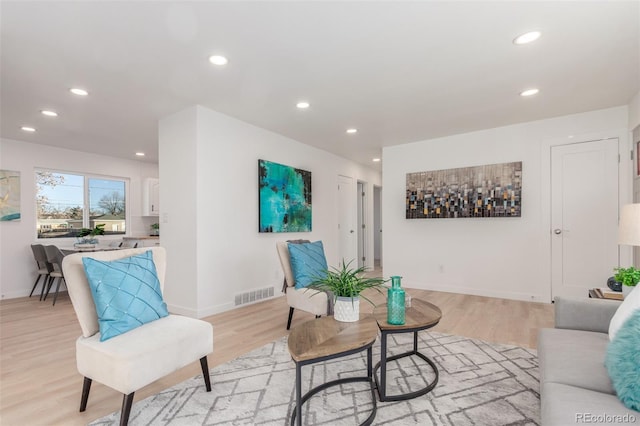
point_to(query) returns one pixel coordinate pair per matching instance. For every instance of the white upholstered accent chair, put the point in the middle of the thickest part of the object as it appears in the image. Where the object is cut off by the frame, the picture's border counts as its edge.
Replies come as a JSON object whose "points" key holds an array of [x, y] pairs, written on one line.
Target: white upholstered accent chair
{"points": [[132, 360], [303, 299]]}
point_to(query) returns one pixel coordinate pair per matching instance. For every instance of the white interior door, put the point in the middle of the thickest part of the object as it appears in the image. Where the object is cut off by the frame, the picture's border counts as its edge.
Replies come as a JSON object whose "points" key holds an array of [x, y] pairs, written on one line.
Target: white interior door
{"points": [[584, 216], [377, 225], [360, 229], [348, 249]]}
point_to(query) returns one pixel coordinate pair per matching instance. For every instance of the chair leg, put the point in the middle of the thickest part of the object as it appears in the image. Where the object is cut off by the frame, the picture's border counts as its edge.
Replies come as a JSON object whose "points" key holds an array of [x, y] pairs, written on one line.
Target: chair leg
{"points": [[35, 284], [49, 285], [127, 402], [86, 387], [44, 286], [58, 290], [290, 316], [205, 373]]}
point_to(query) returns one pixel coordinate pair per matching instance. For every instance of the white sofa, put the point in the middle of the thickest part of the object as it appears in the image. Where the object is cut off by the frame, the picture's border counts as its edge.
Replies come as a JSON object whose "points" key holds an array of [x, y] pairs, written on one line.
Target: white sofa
{"points": [[574, 384]]}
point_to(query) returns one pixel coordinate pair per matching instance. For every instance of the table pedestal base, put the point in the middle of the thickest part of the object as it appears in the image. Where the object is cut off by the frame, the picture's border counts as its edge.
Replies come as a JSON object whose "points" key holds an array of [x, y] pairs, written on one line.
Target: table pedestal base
{"points": [[381, 385], [301, 399]]}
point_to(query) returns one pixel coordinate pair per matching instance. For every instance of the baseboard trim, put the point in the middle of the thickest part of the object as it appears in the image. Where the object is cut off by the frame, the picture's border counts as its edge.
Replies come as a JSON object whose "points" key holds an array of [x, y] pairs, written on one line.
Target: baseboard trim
{"points": [[182, 310], [479, 292], [25, 293], [199, 313]]}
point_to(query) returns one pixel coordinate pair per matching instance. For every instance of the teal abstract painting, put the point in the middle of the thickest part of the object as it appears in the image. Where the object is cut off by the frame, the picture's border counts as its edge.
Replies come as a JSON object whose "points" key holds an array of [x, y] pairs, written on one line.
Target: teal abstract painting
{"points": [[284, 198]]}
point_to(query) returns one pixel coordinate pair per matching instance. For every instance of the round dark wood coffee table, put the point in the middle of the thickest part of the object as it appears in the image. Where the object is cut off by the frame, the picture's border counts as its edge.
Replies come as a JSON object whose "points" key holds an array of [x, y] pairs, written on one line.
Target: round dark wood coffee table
{"points": [[420, 316], [323, 339]]}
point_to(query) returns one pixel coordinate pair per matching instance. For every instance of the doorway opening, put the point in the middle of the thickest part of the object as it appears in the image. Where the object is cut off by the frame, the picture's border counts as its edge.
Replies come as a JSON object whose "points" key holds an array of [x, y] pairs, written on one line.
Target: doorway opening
{"points": [[377, 227], [362, 224]]}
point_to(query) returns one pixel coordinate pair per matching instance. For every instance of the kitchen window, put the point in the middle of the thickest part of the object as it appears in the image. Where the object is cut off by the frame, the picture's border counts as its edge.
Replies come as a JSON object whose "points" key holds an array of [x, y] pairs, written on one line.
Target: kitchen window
{"points": [[68, 202]]}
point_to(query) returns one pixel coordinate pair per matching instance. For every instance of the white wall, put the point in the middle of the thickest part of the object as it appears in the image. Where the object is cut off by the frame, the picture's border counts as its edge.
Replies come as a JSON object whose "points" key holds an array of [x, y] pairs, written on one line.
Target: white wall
{"points": [[17, 267], [500, 257], [634, 112], [232, 256], [178, 207]]}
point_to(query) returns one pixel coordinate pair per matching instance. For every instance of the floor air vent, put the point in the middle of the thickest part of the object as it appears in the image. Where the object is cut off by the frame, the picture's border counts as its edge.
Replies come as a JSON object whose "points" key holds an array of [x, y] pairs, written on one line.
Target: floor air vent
{"points": [[253, 295]]}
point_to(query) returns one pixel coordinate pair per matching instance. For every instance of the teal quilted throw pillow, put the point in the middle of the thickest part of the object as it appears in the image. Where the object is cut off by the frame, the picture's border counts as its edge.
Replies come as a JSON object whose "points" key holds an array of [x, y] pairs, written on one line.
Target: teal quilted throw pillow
{"points": [[623, 362], [126, 293], [307, 262]]}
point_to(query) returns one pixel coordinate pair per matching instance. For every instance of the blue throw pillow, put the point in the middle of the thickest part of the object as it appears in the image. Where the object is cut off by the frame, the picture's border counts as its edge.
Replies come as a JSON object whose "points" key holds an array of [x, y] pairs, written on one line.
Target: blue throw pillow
{"points": [[623, 362], [126, 293], [307, 262]]}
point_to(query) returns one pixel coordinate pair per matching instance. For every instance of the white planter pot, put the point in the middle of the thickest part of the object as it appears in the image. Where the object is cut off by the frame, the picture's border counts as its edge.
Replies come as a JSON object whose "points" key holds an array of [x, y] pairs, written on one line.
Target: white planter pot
{"points": [[626, 289], [347, 309]]}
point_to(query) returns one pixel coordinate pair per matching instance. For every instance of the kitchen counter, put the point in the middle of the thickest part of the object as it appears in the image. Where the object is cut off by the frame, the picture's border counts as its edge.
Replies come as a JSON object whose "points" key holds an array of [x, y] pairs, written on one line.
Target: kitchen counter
{"points": [[143, 237], [144, 240]]}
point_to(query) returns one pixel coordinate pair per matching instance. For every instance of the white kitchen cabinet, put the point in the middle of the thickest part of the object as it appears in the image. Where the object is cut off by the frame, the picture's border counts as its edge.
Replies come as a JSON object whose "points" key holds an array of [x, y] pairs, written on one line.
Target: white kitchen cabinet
{"points": [[151, 197]]}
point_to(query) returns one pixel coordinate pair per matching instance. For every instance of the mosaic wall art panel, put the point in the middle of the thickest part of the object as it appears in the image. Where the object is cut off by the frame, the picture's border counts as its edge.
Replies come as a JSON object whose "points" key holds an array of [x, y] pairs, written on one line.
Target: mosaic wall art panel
{"points": [[284, 198], [493, 190]]}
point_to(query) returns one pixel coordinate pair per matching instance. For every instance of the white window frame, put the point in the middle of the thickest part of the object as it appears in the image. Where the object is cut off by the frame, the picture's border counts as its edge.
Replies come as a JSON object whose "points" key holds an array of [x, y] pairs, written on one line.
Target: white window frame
{"points": [[85, 201]]}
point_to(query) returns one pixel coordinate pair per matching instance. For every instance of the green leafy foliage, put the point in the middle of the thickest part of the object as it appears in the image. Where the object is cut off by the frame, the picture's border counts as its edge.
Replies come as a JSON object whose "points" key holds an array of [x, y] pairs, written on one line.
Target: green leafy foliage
{"points": [[347, 282], [627, 276], [98, 230]]}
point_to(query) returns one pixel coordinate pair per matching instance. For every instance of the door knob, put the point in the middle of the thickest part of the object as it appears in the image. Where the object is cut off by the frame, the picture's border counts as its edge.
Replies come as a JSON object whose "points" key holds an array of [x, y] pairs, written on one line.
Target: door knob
{"points": [[557, 231], [351, 232]]}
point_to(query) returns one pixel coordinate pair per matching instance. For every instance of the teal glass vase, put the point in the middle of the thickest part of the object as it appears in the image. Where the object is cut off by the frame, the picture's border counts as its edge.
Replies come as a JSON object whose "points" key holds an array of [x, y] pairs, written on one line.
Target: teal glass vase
{"points": [[395, 302]]}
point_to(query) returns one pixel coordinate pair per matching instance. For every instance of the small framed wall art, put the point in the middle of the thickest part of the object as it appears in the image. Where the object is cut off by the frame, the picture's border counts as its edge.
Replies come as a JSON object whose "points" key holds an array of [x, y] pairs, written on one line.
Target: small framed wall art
{"points": [[9, 195]]}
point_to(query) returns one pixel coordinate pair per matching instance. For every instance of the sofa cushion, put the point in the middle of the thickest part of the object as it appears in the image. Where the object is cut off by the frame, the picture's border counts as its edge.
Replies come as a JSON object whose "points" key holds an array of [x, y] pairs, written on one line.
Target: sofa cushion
{"points": [[574, 357], [307, 262], [145, 354], [308, 300], [630, 304], [623, 362], [126, 293], [563, 405]]}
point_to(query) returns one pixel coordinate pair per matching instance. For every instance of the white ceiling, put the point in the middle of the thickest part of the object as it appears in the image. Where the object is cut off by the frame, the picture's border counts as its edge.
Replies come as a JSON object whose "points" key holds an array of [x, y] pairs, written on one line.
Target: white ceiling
{"points": [[397, 71]]}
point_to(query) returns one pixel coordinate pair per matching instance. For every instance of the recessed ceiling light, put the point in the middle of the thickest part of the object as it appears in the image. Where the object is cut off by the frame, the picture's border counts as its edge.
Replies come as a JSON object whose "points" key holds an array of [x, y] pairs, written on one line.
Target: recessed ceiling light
{"points": [[527, 37], [218, 60], [28, 129], [49, 113], [78, 91], [376, 160], [303, 105], [529, 92], [140, 154], [352, 131]]}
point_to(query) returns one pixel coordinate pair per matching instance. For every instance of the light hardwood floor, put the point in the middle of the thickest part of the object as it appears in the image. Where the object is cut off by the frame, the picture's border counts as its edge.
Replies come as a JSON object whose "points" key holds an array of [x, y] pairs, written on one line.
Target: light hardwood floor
{"points": [[39, 384]]}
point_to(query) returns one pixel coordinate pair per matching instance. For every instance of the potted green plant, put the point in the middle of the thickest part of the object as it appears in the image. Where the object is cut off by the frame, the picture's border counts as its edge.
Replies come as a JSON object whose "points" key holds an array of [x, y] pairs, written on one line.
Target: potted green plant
{"points": [[87, 236], [628, 277], [346, 285], [155, 229]]}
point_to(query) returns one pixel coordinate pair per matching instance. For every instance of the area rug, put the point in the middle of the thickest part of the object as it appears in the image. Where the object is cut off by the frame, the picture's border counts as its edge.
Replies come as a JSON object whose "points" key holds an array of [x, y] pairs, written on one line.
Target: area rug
{"points": [[479, 384]]}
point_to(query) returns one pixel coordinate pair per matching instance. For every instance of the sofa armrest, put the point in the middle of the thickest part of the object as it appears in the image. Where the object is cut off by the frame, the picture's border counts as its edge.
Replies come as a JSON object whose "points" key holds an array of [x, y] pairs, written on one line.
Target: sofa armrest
{"points": [[585, 314]]}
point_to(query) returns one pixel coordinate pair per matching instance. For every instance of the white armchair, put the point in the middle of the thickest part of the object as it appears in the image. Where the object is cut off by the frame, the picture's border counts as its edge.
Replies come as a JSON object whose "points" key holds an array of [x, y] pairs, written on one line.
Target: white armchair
{"points": [[307, 300], [132, 360]]}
